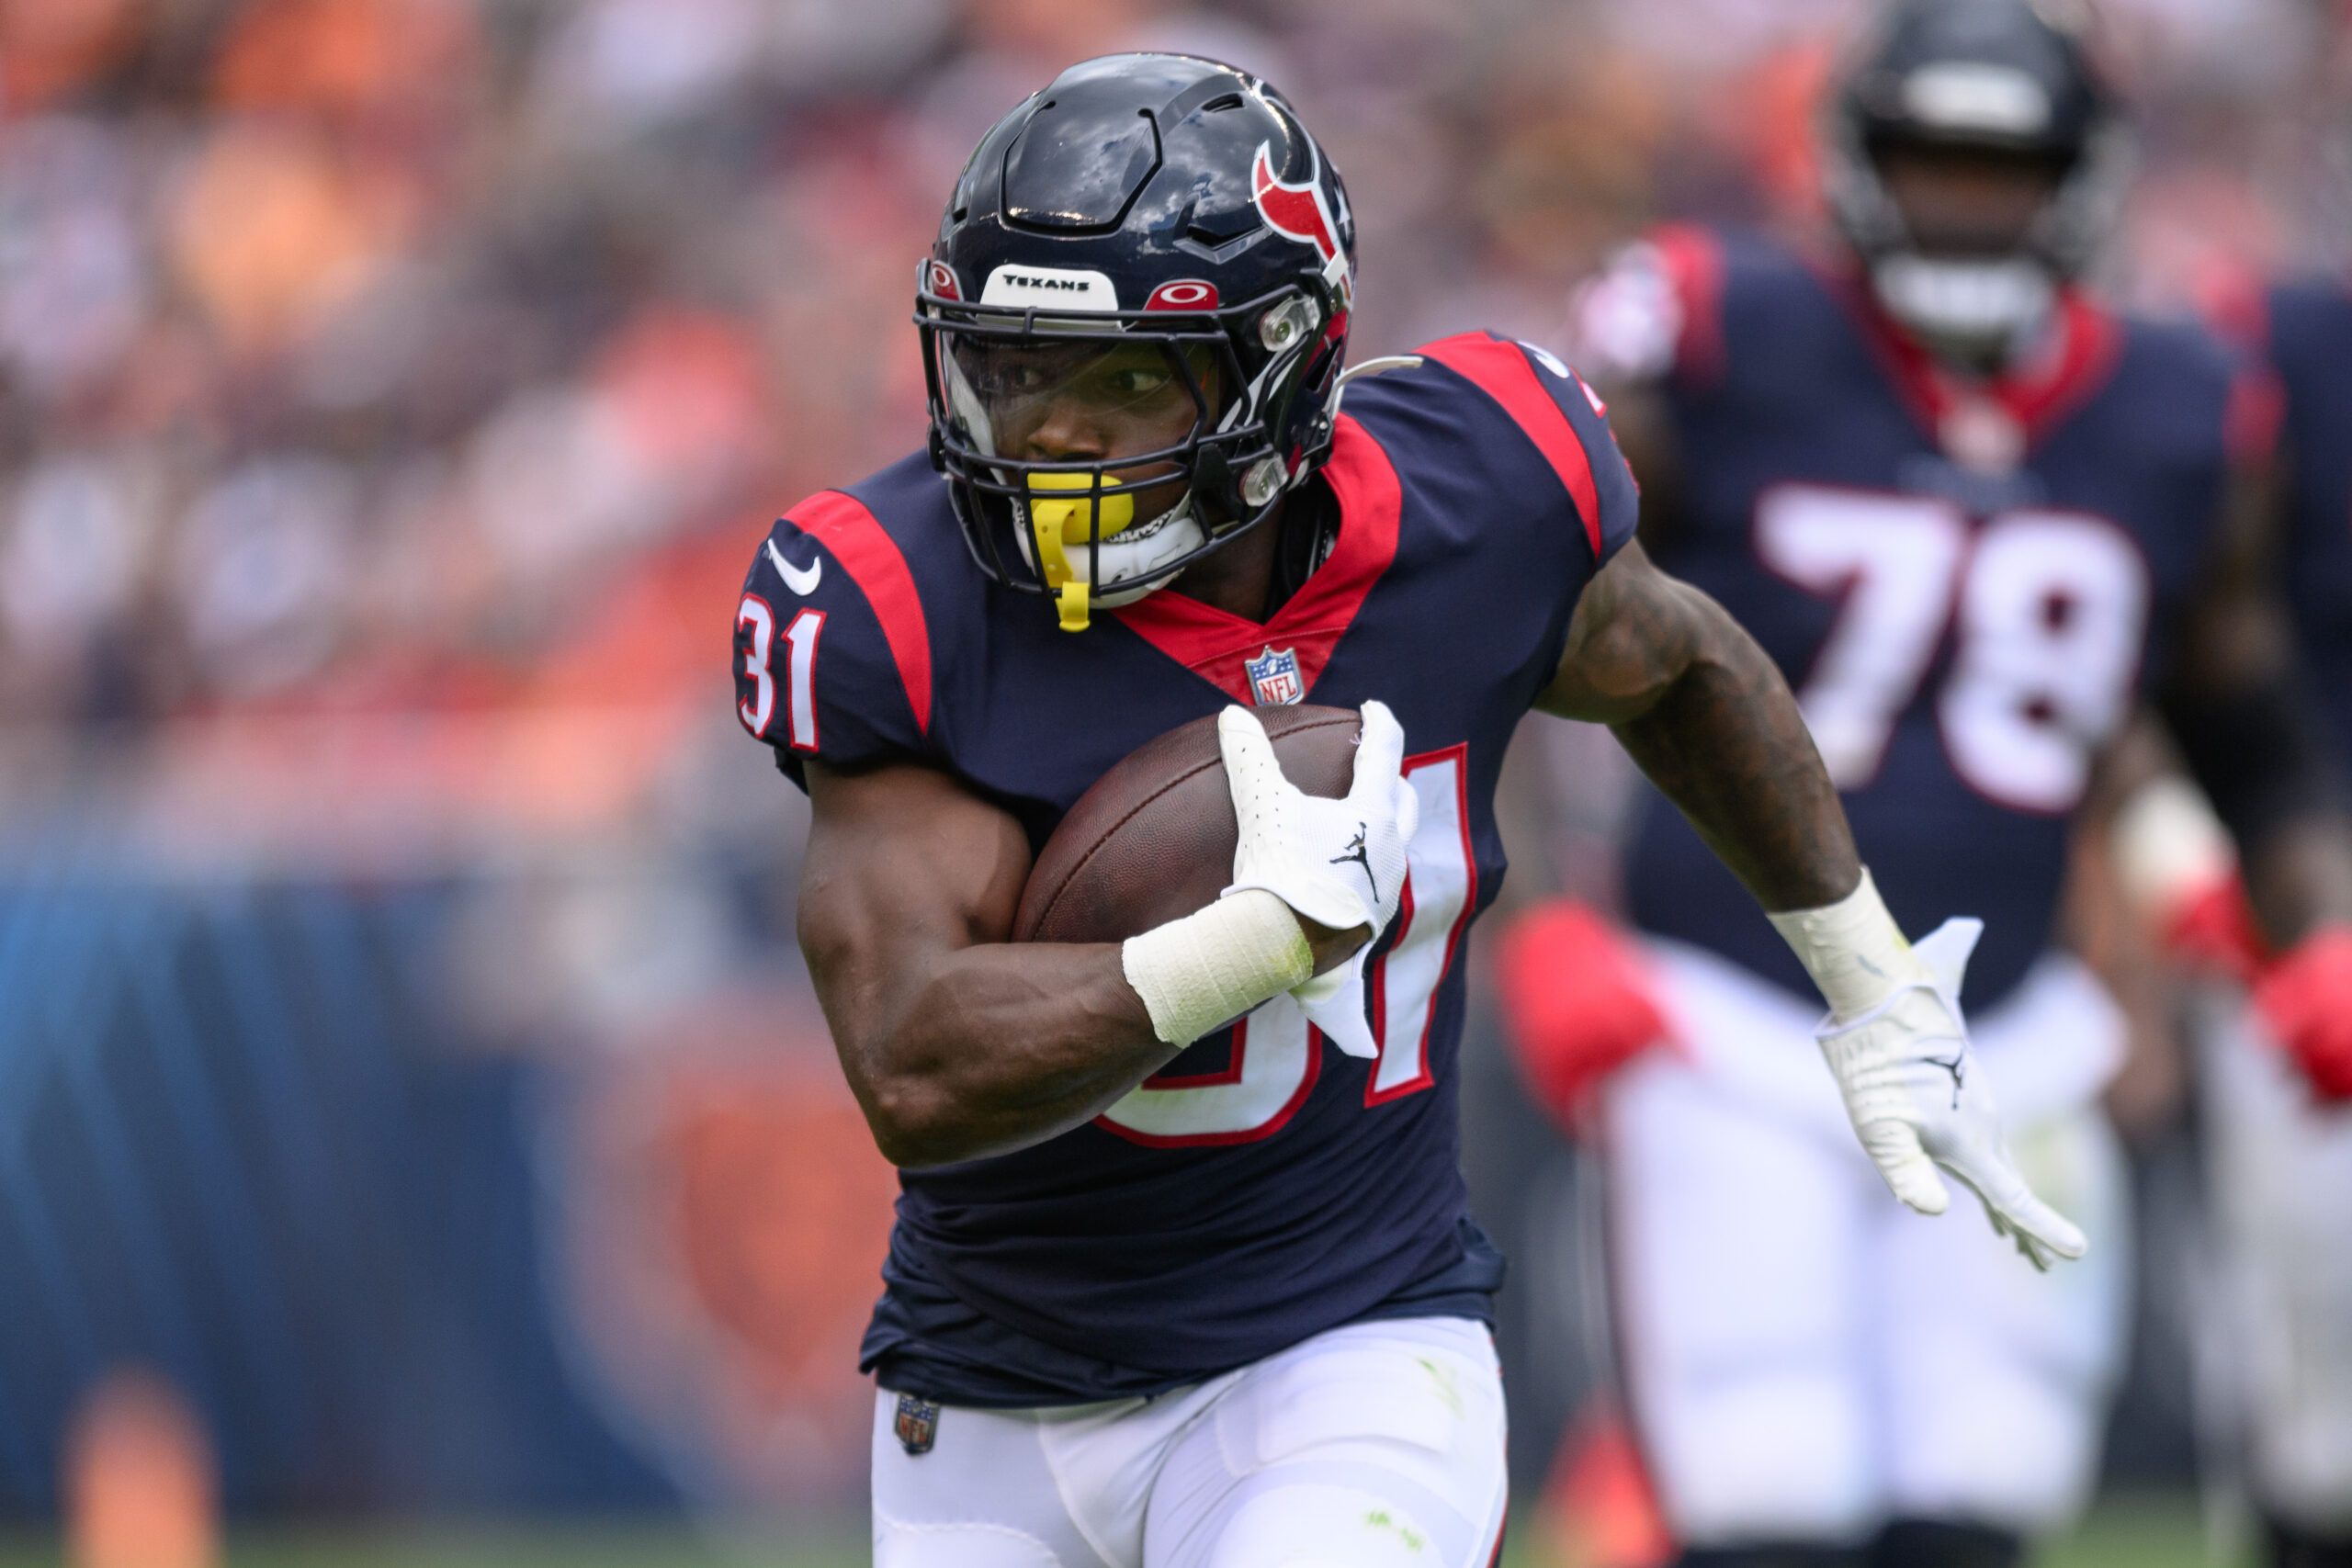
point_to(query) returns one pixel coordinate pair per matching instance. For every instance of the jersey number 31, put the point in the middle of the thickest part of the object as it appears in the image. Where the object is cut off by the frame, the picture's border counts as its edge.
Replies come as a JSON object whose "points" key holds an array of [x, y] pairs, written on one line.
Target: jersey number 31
{"points": [[1275, 1058]]}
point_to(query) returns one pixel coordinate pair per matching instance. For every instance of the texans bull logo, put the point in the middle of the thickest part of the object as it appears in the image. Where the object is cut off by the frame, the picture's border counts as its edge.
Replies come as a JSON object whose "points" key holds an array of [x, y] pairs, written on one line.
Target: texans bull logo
{"points": [[1298, 211]]}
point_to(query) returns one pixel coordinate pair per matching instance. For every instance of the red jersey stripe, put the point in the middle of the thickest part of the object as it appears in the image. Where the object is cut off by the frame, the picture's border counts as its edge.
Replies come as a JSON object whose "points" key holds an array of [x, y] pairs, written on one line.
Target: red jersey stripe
{"points": [[875, 563], [2257, 411], [1693, 259], [1504, 373], [2090, 343], [1216, 646]]}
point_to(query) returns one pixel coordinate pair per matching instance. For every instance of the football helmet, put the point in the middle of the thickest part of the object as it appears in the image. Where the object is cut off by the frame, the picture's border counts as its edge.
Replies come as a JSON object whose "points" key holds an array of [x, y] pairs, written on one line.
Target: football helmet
{"points": [[1152, 245], [2004, 76]]}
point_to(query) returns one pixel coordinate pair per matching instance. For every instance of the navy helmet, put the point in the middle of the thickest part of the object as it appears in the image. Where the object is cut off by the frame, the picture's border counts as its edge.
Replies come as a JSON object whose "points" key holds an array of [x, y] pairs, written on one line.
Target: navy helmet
{"points": [[1157, 239], [2001, 76]]}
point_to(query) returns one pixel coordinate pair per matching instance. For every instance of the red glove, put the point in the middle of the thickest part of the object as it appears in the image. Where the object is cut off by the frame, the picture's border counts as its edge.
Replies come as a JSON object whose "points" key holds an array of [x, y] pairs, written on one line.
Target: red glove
{"points": [[2211, 926], [2306, 998], [1577, 1004]]}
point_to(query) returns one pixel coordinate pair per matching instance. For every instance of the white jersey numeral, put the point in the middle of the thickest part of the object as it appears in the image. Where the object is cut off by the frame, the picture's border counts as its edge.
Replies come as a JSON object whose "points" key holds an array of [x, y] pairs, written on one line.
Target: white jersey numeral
{"points": [[1440, 889], [2047, 611], [757, 709], [800, 638], [1892, 558], [2052, 622], [1276, 1058], [1275, 1062]]}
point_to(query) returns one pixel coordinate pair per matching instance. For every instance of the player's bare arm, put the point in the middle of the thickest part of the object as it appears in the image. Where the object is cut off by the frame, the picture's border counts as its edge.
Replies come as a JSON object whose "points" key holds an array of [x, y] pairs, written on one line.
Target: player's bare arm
{"points": [[958, 1042], [1705, 713], [2246, 736]]}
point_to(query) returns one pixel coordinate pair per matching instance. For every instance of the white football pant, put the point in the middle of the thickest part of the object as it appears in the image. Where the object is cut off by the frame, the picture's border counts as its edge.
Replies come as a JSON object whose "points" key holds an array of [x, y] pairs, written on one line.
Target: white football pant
{"points": [[1374, 1446], [1804, 1358], [2281, 1172]]}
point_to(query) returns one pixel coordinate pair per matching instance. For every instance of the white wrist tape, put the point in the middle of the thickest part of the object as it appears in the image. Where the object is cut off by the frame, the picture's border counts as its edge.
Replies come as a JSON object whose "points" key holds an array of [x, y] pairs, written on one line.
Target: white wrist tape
{"points": [[2167, 845], [1212, 966], [1853, 950]]}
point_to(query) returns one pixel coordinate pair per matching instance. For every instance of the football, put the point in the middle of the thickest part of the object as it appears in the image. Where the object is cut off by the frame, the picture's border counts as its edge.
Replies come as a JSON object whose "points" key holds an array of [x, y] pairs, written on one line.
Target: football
{"points": [[1153, 840]]}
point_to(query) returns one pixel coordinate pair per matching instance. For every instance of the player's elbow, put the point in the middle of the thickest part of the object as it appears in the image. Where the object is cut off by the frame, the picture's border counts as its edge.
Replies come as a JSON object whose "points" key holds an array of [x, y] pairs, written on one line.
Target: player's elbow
{"points": [[914, 1122]]}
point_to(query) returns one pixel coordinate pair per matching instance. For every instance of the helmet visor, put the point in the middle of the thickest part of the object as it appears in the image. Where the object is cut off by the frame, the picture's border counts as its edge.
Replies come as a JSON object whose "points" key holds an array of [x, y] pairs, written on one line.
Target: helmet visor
{"points": [[1065, 397], [1975, 201]]}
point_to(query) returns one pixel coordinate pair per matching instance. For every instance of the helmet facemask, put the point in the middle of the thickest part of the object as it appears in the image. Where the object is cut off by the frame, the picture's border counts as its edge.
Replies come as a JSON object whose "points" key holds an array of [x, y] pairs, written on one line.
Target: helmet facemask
{"points": [[1169, 412], [2003, 88], [1975, 302]]}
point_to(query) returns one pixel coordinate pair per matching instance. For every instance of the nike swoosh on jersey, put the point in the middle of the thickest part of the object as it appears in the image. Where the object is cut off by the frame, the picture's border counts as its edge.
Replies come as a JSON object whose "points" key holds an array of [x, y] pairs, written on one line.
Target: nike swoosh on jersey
{"points": [[800, 580]]}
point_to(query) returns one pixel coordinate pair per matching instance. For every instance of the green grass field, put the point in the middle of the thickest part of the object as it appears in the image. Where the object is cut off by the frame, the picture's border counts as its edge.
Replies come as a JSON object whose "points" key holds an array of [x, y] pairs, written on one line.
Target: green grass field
{"points": [[2147, 1533], [2163, 1534]]}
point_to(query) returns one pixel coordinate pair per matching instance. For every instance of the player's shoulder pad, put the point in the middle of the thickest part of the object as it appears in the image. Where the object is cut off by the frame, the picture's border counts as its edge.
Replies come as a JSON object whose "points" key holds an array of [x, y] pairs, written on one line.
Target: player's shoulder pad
{"points": [[1655, 311], [2307, 333], [2306, 302], [2308, 339], [833, 650], [2220, 380], [2237, 303], [2184, 343], [1550, 405]]}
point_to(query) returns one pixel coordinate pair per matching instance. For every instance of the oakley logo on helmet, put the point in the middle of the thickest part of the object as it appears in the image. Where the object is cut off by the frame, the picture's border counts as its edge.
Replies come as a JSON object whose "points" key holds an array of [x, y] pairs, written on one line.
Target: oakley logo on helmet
{"points": [[939, 279], [1185, 294], [1065, 287], [1298, 211]]}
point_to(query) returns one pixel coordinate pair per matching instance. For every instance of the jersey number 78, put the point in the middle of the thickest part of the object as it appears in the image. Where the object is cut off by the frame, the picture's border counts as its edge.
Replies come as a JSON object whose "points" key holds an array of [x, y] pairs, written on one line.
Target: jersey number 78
{"points": [[2046, 612]]}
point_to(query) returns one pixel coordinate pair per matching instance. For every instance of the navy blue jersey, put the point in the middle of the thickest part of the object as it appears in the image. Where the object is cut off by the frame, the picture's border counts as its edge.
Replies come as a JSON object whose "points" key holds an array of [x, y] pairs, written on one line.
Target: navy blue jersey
{"points": [[1964, 585], [2304, 330], [1263, 1188]]}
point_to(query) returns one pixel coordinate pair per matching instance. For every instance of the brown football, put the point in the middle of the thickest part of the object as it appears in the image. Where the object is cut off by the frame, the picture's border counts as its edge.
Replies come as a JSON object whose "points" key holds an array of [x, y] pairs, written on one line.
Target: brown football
{"points": [[1153, 838]]}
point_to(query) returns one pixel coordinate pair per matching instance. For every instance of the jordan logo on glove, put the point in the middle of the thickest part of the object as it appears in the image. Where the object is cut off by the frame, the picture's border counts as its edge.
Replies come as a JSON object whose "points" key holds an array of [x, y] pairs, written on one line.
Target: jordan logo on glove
{"points": [[1355, 851], [1284, 835], [1957, 1067]]}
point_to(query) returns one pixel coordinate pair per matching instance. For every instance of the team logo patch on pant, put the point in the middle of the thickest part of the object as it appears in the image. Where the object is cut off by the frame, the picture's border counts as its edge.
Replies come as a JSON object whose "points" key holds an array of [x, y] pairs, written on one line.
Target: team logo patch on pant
{"points": [[917, 1424], [1274, 677]]}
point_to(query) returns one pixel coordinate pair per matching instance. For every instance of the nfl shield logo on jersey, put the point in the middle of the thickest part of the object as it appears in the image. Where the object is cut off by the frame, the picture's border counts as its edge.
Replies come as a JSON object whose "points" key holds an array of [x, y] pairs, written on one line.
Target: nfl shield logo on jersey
{"points": [[916, 1426], [1274, 677]]}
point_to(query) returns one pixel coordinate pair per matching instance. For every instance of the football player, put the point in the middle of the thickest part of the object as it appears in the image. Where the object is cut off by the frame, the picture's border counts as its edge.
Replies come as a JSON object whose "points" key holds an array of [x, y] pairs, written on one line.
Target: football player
{"points": [[1182, 1275], [2279, 1123], [1970, 513]]}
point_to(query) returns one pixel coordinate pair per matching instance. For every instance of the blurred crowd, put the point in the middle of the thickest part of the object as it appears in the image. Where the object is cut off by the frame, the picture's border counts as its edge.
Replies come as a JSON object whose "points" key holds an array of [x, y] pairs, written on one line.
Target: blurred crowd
{"points": [[442, 356]]}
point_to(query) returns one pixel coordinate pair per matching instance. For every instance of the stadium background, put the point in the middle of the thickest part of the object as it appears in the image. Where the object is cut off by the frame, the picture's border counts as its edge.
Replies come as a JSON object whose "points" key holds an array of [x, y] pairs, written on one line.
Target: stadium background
{"points": [[417, 1138]]}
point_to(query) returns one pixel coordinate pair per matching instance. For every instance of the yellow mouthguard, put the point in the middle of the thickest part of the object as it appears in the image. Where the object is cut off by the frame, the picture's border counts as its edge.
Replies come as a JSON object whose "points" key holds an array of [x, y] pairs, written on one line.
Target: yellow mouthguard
{"points": [[1052, 522]]}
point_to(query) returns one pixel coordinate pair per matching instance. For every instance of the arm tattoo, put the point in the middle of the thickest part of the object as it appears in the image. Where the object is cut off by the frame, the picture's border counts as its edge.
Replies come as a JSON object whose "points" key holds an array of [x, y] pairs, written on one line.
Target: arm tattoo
{"points": [[1705, 713]]}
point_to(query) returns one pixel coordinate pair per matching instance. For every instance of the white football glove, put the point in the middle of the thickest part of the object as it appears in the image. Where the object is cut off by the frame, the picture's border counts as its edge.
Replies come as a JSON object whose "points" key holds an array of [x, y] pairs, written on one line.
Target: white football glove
{"points": [[1337, 862], [1918, 1100]]}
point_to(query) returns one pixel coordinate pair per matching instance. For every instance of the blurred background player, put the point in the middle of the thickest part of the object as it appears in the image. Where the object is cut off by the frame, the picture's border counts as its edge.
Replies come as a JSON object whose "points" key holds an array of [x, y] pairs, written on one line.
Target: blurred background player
{"points": [[1969, 511], [2281, 1131], [2274, 1119], [2274, 1077]]}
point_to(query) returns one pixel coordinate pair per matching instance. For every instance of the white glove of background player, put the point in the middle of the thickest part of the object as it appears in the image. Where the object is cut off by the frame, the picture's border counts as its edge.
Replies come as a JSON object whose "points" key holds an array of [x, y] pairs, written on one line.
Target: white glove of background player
{"points": [[1917, 1102], [1337, 862]]}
